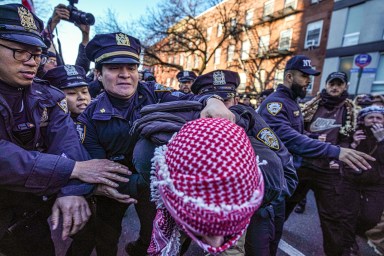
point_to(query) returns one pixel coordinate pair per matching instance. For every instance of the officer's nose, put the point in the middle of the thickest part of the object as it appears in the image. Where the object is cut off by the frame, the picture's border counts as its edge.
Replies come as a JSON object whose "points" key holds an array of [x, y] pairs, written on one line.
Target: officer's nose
{"points": [[124, 72], [31, 62]]}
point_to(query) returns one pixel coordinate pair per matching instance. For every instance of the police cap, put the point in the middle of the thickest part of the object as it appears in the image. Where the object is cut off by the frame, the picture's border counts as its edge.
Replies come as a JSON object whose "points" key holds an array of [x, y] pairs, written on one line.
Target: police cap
{"points": [[67, 76], [301, 63], [186, 76], [221, 82], [113, 48], [18, 24]]}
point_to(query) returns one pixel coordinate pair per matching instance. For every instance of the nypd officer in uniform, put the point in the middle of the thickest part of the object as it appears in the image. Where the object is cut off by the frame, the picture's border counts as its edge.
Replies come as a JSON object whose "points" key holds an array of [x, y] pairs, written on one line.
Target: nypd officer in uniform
{"points": [[279, 174], [185, 79], [282, 113], [71, 79], [107, 122], [40, 153]]}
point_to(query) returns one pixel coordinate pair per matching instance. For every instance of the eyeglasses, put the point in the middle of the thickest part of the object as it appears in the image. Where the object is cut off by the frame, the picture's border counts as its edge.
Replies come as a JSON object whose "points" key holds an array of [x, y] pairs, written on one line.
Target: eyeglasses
{"points": [[24, 55], [53, 61]]}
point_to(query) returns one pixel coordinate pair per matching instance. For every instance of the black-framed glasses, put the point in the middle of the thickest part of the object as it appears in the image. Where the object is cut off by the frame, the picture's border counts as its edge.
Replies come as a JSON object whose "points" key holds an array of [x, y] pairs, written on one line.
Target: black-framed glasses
{"points": [[24, 55]]}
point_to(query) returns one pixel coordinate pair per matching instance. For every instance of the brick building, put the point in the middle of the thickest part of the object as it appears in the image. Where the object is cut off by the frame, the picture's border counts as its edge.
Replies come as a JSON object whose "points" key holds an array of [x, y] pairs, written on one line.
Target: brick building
{"points": [[255, 39]]}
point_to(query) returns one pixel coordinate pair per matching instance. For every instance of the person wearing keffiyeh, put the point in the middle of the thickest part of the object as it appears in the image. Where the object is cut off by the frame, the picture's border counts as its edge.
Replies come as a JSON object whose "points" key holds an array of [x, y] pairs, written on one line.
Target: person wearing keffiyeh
{"points": [[206, 185]]}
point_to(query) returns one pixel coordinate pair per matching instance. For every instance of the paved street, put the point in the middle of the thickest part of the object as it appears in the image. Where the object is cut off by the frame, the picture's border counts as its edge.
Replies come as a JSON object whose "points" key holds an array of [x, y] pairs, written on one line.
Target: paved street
{"points": [[302, 235]]}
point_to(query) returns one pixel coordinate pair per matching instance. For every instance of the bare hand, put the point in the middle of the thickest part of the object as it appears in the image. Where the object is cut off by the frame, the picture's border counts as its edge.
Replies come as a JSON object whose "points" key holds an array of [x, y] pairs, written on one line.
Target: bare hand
{"points": [[378, 132], [75, 213], [216, 108], [112, 193], [100, 171], [358, 136], [355, 159], [60, 12]]}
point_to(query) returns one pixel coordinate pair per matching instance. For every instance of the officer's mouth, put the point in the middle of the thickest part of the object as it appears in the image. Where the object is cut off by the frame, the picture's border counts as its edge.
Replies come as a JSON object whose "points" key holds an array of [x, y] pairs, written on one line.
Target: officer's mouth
{"points": [[82, 106], [28, 74]]}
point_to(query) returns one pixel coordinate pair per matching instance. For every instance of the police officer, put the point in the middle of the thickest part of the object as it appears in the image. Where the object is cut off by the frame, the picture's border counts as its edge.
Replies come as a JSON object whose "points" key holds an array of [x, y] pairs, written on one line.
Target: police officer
{"points": [[327, 117], [279, 173], [185, 79], [108, 120], [71, 79], [39, 149], [282, 113]]}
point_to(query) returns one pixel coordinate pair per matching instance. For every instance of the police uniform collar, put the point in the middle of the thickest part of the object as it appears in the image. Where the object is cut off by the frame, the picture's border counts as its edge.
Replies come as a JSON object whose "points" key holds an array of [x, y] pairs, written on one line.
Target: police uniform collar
{"points": [[103, 109], [284, 89]]}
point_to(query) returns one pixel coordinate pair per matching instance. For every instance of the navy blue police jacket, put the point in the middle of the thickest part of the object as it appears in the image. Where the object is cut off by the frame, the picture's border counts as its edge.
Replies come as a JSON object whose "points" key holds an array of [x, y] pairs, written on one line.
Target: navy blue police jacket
{"points": [[46, 168], [107, 130], [161, 121], [282, 113]]}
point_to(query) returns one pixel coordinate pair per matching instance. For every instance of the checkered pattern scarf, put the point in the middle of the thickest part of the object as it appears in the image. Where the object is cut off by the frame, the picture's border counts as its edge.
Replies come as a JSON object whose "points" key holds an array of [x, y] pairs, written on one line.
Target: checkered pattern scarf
{"points": [[205, 181]]}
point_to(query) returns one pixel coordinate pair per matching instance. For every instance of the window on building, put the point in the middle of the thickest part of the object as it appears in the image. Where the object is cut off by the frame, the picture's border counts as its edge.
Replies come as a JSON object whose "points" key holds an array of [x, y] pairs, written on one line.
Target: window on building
{"points": [[233, 24], [217, 56], [249, 18], [290, 4], [355, 18], [189, 62], [243, 82], [231, 53], [196, 61], [313, 35], [168, 83], [181, 59], [219, 29], [268, 7], [260, 80], [279, 77], [245, 48], [285, 39], [346, 64], [209, 33], [175, 59], [170, 59], [378, 84], [263, 45]]}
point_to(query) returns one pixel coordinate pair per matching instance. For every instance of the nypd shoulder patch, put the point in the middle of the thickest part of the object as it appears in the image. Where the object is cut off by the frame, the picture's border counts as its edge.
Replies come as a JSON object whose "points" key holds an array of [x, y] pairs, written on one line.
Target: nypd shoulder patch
{"points": [[274, 107], [63, 105], [268, 137]]}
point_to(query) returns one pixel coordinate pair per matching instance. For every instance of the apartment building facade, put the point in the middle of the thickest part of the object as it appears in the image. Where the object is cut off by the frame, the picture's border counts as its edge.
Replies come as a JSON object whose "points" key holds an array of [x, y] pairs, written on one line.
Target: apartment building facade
{"points": [[269, 33], [357, 32]]}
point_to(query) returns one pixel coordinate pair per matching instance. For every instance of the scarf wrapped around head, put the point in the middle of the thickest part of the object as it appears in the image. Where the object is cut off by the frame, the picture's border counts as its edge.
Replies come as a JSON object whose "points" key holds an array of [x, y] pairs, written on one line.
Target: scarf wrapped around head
{"points": [[204, 182], [369, 110]]}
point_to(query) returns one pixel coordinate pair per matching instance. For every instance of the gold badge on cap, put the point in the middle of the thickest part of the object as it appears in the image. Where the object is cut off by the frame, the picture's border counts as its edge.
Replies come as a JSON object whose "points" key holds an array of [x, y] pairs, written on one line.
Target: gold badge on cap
{"points": [[122, 39], [267, 136], [26, 18], [63, 105], [274, 107]]}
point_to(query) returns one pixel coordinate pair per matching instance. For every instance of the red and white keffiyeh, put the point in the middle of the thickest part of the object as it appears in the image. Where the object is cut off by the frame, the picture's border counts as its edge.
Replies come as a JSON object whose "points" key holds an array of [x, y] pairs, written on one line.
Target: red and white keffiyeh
{"points": [[205, 181]]}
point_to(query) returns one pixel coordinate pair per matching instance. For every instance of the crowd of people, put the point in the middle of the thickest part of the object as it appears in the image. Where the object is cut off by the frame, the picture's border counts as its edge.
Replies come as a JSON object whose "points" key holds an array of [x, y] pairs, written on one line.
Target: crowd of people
{"points": [[199, 163]]}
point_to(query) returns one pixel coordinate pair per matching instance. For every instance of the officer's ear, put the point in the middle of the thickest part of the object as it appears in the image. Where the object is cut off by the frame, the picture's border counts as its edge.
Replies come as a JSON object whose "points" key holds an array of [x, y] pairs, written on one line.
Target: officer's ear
{"points": [[288, 76]]}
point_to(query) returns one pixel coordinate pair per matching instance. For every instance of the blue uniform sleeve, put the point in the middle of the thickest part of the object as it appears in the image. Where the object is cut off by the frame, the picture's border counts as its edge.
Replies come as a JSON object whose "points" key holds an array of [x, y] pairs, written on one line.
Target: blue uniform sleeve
{"points": [[32, 171], [62, 139], [82, 59], [297, 143]]}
